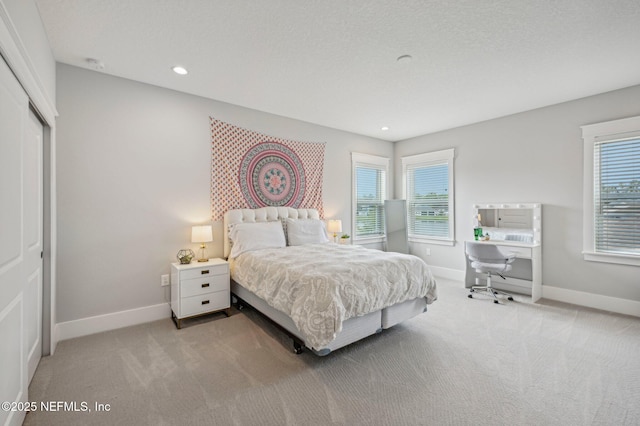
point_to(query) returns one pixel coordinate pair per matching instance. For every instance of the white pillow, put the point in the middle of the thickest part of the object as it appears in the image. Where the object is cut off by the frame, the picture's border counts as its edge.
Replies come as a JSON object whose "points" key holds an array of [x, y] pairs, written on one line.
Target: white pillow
{"points": [[306, 231], [255, 236]]}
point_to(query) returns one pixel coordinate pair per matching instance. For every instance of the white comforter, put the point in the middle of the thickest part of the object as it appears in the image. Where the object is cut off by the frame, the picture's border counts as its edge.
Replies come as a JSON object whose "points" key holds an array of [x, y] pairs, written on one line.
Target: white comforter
{"points": [[321, 285]]}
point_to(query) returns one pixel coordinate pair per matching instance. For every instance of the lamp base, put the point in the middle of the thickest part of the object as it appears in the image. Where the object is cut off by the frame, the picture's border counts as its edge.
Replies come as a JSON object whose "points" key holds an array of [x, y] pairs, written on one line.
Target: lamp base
{"points": [[202, 253]]}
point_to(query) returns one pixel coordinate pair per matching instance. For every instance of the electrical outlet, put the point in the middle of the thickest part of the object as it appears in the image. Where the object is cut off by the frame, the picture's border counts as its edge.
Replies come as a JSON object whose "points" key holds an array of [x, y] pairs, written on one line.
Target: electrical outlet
{"points": [[164, 280]]}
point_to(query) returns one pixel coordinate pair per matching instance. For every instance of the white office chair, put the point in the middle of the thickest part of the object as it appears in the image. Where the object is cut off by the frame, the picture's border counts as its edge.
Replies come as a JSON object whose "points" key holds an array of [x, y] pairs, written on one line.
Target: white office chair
{"points": [[487, 258]]}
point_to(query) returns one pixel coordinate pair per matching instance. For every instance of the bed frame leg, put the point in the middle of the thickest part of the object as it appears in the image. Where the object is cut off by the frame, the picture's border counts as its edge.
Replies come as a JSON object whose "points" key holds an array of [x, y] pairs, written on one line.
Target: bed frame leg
{"points": [[298, 347], [239, 304]]}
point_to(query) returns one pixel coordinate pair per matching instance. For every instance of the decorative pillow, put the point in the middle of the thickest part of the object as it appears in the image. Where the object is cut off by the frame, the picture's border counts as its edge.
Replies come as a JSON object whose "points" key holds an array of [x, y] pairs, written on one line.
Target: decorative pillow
{"points": [[284, 227], [255, 236], [306, 231]]}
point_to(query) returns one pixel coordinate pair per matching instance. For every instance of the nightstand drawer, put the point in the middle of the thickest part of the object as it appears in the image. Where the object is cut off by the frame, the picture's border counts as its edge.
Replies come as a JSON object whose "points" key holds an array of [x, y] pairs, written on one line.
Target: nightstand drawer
{"points": [[204, 285], [204, 303], [205, 271]]}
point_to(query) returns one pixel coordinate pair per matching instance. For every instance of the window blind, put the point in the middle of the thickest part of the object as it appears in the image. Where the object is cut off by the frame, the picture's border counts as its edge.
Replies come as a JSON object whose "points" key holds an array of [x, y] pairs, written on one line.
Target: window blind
{"points": [[370, 195], [428, 199], [617, 196]]}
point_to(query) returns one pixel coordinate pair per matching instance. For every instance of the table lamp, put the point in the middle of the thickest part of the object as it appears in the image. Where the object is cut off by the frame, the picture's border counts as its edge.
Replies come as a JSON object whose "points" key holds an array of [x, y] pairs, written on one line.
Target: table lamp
{"points": [[202, 234], [335, 226]]}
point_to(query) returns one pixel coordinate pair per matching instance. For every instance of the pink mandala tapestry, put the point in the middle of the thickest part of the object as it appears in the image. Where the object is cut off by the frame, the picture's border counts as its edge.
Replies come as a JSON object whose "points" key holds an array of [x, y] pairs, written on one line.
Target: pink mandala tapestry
{"points": [[252, 170]]}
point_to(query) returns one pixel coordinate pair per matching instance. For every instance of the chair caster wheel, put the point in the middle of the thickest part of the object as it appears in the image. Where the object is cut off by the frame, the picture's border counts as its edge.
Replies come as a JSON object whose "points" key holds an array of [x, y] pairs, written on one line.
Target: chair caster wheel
{"points": [[472, 290], [470, 296], [510, 298], [496, 302]]}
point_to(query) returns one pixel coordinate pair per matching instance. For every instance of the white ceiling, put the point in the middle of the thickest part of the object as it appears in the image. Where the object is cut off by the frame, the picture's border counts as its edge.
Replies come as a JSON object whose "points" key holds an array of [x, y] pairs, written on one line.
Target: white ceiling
{"points": [[334, 62]]}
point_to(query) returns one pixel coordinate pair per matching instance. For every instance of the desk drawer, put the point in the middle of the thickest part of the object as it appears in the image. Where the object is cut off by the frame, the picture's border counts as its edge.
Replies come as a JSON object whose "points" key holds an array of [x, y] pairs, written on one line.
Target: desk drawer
{"points": [[522, 252], [204, 303], [204, 285]]}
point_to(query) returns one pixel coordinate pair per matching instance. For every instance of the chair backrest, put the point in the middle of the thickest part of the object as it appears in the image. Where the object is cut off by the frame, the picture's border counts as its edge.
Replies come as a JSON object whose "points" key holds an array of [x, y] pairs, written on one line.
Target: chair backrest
{"points": [[487, 253]]}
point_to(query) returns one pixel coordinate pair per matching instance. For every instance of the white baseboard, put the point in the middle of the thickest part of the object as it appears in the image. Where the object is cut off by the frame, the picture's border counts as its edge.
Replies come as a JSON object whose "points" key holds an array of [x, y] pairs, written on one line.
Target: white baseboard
{"points": [[55, 338], [449, 274], [100, 323], [581, 298], [85, 326], [591, 300]]}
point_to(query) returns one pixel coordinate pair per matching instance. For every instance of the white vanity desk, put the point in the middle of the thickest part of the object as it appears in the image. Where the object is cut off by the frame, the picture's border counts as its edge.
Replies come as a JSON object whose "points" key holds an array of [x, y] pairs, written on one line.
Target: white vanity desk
{"points": [[526, 275]]}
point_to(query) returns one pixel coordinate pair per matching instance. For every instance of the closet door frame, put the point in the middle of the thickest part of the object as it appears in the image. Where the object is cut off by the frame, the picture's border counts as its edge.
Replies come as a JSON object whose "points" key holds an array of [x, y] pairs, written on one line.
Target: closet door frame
{"points": [[16, 55]]}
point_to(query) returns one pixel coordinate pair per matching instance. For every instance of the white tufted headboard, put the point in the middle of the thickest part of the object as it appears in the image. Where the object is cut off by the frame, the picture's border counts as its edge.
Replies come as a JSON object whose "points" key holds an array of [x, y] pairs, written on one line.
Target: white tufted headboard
{"points": [[264, 214]]}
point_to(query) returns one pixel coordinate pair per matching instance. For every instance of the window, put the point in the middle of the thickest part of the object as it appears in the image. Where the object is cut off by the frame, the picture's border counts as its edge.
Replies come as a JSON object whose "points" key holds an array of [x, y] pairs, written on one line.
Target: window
{"points": [[612, 191], [428, 189], [369, 192]]}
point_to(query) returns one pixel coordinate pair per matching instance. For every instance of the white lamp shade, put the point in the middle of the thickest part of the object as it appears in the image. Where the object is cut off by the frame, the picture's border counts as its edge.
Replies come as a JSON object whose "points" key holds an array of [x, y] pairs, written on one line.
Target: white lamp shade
{"points": [[334, 225], [201, 234]]}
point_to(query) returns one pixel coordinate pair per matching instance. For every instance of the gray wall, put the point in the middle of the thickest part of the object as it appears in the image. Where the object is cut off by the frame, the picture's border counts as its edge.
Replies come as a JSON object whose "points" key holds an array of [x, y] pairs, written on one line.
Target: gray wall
{"points": [[133, 176], [534, 156]]}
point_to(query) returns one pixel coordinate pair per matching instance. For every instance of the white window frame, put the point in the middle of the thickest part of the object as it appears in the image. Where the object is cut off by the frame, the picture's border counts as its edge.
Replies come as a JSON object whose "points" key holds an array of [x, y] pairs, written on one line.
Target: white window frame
{"points": [[626, 128], [427, 159], [364, 160]]}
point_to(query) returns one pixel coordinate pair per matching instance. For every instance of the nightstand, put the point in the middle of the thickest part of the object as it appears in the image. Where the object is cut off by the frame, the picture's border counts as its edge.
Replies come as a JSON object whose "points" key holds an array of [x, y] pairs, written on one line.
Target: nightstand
{"points": [[199, 288]]}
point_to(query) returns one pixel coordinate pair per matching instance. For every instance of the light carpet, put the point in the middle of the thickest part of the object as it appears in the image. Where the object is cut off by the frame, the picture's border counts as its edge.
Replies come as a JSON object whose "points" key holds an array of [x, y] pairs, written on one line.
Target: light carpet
{"points": [[464, 362]]}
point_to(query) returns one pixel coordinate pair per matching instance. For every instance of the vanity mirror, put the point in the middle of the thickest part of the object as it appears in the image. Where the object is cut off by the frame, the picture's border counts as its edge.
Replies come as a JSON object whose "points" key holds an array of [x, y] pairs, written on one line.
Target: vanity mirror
{"points": [[519, 222]]}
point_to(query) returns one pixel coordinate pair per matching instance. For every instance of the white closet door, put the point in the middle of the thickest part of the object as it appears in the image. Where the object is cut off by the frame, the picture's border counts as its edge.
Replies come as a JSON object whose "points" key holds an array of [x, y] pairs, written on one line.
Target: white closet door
{"points": [[32, 214], [14, 113]]}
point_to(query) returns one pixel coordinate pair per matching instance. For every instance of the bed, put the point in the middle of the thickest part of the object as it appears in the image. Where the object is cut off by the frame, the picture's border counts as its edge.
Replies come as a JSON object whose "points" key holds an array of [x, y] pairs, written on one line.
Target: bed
{"points": [[324, 295]]}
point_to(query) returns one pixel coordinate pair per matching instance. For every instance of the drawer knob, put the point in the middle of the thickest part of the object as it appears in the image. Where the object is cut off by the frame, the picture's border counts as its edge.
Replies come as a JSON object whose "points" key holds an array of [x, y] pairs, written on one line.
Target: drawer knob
{"points": [[206, 271], [205, 302], [205, 285]]}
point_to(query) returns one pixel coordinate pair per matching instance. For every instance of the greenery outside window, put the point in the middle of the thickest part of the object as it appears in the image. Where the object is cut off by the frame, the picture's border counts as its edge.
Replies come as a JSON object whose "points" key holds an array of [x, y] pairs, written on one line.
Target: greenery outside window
{"points": [[369, 176], [428, 189], [612, 191]]}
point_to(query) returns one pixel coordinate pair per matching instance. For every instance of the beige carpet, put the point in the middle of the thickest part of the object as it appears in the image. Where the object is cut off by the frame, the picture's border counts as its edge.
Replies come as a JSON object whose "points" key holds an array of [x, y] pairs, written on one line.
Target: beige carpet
{"points": [[464, 362]]}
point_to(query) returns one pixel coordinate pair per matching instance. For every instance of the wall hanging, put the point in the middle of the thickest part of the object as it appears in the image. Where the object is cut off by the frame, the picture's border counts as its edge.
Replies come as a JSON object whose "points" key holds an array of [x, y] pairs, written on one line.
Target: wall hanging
{"points": [[252, 170]]}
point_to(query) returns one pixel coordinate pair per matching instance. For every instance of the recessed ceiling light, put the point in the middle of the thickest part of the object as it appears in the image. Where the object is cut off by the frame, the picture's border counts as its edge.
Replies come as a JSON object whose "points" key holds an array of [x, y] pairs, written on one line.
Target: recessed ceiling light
{"points": [[180, 70], [384, 128], [404, 59]]}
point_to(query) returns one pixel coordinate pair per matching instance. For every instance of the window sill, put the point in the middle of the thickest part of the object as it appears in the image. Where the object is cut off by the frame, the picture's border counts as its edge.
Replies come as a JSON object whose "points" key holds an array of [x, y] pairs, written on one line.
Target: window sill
{"points": [[619, 259], [440, 242], [371, 240]]}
